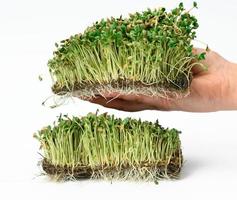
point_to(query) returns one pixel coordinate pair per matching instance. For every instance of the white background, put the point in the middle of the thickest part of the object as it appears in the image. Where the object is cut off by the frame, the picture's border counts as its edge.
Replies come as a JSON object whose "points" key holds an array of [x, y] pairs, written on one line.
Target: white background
{"points": [[28, 31]]}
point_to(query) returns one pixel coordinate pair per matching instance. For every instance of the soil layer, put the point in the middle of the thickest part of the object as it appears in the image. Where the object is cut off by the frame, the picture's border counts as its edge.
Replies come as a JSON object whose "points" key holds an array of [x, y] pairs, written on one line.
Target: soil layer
{"points": [[87, 89], [172, 169]]}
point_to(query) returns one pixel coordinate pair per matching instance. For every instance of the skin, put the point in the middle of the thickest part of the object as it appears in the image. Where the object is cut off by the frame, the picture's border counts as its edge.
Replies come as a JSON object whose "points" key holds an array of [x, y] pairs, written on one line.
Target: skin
{"points": [[214, 89]]}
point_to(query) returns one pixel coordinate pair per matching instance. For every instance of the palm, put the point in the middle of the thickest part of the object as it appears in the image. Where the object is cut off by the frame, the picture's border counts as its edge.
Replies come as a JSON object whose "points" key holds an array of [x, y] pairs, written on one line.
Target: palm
{"points": [[206, 91]]}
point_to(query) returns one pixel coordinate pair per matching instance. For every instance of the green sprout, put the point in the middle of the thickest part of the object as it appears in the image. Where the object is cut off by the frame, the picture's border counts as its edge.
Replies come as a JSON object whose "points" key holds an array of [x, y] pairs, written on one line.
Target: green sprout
{"points": [[202, 56], [195, 4], [102, 146], [149, 52]]}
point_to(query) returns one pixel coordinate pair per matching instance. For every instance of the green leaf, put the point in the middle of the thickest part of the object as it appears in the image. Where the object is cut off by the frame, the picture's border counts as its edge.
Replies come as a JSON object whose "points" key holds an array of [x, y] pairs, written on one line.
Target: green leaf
{"points": [[202, 56], [181, 6], [40, 78], [195, 4]]}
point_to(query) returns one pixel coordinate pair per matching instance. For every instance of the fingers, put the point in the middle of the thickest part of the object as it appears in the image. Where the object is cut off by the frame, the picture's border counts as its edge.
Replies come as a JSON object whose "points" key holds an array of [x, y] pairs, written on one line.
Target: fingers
{"points": [[134, 102], [155, 102], [128, 97], [121, 104]]}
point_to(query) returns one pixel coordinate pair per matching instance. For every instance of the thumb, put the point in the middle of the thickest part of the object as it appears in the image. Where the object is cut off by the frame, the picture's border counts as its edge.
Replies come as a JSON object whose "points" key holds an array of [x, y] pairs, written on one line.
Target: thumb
{"points": [[196, 69]]}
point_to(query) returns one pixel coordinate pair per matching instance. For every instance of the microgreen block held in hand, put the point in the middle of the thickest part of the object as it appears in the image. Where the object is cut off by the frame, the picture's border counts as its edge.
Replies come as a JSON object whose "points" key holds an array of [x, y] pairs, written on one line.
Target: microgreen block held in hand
{"points": [[148, 52]]}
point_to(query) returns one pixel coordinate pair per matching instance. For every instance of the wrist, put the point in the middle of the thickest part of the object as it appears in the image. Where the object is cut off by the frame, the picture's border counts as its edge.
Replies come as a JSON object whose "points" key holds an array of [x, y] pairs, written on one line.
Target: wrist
{"points": [[232, 86]]}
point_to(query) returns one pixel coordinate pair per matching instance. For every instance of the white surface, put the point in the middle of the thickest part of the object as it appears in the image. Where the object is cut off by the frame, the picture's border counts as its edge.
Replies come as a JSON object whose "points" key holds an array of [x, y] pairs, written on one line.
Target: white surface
{"points": [[28, 31]]}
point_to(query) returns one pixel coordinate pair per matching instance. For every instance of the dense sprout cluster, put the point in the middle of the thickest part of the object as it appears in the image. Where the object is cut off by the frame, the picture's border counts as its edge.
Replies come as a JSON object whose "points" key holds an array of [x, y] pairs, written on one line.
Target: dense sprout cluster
{"points": [[105, 146], [150, 47], [155, 26]]}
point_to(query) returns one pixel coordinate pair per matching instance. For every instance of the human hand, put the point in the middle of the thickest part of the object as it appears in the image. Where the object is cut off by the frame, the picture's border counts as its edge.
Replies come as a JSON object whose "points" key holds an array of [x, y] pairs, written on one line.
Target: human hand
{"points": [[211, 90]]}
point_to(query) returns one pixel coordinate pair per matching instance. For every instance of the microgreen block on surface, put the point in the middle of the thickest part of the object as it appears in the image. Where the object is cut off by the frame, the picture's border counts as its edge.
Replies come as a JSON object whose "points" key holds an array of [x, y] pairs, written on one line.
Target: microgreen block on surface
{"points": [[102, 146]]}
